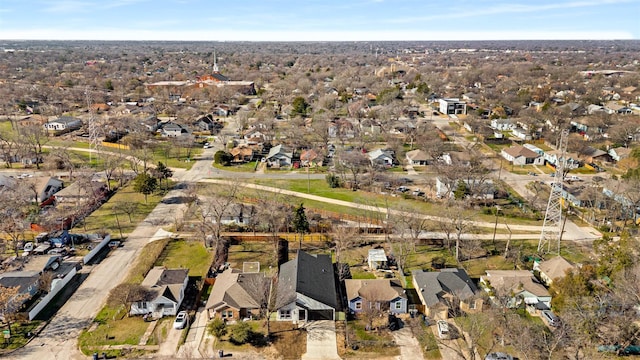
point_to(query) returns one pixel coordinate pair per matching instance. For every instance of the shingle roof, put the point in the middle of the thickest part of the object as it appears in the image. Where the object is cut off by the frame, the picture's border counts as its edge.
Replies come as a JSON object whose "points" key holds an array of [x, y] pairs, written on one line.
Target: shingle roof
{"points": [[374, 289], [508, 281], [417, 155], [166, 282], [518, 150], [555, 267], [237, 290], [433, 285], [309, 275]]}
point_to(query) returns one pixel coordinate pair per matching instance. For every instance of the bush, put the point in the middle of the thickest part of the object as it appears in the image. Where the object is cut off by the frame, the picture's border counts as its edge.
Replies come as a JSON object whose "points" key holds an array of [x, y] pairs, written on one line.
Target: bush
{"points": [[241, 333], [333, 181], [223, 158], [217, 328]]}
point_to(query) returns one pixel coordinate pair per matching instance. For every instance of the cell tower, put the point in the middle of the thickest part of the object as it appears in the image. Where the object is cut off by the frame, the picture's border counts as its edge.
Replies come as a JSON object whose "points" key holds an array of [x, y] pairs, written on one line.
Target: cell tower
{"points": [[93, 127], [552, 225]]}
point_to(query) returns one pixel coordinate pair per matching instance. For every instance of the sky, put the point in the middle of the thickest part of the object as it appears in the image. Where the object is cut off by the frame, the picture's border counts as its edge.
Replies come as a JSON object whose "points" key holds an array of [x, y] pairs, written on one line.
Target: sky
{"points": [[312, 20]]}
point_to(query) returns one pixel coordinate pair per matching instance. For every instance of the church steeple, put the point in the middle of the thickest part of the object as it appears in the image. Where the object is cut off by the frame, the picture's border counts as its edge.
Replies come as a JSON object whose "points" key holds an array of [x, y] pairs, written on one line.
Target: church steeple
{"points": [[215, 63]]}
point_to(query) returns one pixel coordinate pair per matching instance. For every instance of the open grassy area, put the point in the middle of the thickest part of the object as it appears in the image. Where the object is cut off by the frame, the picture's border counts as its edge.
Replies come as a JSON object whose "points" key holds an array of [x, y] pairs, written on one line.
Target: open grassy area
{"points": [[186, 254], [142, 264], [246, 167], [114, 327], [426, 338], [19, 338], [104, 218], [177, 158], [370, 342], [263, 252]]}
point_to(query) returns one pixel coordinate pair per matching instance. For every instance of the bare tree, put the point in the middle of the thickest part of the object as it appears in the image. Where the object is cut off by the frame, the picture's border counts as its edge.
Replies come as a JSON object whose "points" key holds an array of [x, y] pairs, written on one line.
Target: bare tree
{"points": [[125, 294]]}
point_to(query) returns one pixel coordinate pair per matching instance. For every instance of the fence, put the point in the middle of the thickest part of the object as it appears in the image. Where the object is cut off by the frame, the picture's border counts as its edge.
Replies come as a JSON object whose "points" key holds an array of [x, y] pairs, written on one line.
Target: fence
{"points": [[96, 249], [59, 285], [115, 145]]}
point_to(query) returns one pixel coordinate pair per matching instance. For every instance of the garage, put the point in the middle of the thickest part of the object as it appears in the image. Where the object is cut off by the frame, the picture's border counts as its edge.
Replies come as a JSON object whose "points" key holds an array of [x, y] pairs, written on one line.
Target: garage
{"points": [[320, 315]]}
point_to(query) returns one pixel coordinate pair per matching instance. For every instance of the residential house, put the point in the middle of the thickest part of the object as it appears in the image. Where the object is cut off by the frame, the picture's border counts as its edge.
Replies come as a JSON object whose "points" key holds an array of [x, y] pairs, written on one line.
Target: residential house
{"points": [[417, 157], [310, 158], [242, 154], [579, 195], [62, 125], [460, 158], [238, 214], [27, 283], [256, 136], [382, 294], [167, 287], [381, 157], [306, 289], [279, 157], [207, 123], [46, 187], [475, 188], [377, 259], [552, 269], [511, 288], [520, 155], [81, 193], [452, 106], [341, 128], [503, 124], [590, 154], [619, 153], [521, 134], [171, 129], [445, 291], [236, 295]]}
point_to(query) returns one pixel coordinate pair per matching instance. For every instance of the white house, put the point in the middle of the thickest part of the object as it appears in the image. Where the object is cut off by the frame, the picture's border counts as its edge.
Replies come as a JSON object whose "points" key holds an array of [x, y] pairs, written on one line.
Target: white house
{"points": [[166, 287], [452, 106], [381, 157], [503, 124], [417, 157], [279, 156], [521, 133], [63, 124], [445, 188], [520, 155]]}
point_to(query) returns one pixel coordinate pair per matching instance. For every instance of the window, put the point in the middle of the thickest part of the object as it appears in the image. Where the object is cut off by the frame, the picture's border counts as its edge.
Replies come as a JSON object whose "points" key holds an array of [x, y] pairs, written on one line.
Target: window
{"points": [[143, 305], [285, 314], [398, 305], [358, 305], [472, 305]]}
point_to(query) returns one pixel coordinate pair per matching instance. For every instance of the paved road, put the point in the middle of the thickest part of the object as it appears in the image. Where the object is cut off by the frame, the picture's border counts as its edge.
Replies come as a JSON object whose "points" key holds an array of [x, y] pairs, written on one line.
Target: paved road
{"points": [[59, 339]]}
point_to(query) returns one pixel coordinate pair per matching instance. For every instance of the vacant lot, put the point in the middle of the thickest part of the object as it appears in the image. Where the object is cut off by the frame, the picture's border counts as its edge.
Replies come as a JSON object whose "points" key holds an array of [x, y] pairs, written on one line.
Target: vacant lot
{"points": [[186, 254]]}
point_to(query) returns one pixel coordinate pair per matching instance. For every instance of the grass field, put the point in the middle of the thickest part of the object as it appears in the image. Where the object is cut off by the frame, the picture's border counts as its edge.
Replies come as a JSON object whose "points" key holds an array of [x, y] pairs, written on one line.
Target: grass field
{"points": [[186, 254], [104, 218]]}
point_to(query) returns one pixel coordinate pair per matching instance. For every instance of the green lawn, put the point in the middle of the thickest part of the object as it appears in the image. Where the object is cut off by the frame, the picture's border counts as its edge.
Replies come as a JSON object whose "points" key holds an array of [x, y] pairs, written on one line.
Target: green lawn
{"points": [[114, 328], [186, 254], [104, 217], [246, 167], [19, 337]]}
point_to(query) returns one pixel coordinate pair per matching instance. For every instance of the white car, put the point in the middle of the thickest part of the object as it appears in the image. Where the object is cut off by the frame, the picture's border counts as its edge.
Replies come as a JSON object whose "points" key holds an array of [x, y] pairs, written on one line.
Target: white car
{"points": [[443, 329], [182, 319]]}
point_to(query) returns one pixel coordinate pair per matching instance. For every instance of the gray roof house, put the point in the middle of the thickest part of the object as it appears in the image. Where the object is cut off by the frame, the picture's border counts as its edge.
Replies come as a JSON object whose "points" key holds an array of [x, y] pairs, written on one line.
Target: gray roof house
{"points": [[167, 287], [279, 156], [443, 291], [384, 294], [417, 157], [63, 124], [306, 289], [236, 295], [381, 157]]}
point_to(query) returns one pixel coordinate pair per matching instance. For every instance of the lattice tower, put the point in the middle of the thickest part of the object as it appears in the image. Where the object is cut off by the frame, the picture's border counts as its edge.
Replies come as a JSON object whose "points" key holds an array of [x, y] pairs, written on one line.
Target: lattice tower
{"points": [[94, 128], [552, 225]]}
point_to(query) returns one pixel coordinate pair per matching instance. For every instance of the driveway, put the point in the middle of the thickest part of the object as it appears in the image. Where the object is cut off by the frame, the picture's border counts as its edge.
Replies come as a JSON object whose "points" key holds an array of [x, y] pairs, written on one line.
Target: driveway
{"points": [[321, 341], [170, 345], [409, 346]]}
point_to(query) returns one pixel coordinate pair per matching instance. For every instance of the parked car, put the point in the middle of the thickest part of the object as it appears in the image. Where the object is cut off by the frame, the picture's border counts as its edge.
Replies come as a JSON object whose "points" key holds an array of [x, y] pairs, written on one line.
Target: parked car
{"points": [[443, 329], [498, 356], [550, 318], [182, 319], [114, 244], [28, 247], [403, 189], [57, 251]]}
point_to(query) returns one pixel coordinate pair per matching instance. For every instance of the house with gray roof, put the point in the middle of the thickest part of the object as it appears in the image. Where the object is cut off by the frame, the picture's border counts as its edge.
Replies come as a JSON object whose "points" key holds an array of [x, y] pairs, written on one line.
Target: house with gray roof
{"points": [[279, 157], [445, 291], [62, 125], [554, 268], [167, 288], [383, 294], [306, 289], [237, 295]]}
